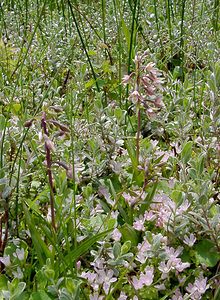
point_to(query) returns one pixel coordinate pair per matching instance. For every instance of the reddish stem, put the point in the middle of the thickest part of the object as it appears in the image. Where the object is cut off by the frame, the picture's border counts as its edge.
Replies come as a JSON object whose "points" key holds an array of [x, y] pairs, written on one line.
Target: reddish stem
{"points": [[49, 172]]}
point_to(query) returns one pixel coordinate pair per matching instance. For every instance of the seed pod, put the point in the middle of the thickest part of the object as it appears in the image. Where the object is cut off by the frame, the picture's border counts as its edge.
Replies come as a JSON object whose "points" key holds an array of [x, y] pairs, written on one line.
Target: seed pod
{"points": [[57, 108], [28, 123], [49, 144]]}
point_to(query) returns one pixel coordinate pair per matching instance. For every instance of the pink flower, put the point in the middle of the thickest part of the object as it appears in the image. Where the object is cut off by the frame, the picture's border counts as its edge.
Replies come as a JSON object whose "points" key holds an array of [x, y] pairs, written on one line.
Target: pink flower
{"points": [[116, 235], [190, 241], [145, 279], [135, 96], [122, 296], [150, 67], [148, 276], [172, 253], [158, 102], [95, 296], [90, 276], [201, 284], [78, 265], [177, 295], [173, 262], [137, 283], [149, 216], [5, 260], [197, 289], [180, 266], [160, 287], [106, 278], [164, 268], [139, 224], [183, 208], [143, 251], [165, 209], [127, 78], [98, 263], [49, 144], [131, 200]]}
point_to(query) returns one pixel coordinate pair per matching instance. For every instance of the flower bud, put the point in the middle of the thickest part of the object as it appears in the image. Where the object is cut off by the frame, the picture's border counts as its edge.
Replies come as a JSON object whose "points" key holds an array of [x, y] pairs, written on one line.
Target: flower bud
{"points": [[28, 123], [49, 144]]}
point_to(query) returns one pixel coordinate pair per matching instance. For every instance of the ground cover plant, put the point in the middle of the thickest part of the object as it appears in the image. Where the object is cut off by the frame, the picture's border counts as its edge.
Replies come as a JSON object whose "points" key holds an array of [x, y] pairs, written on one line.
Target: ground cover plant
{"points": [[109, 149]]}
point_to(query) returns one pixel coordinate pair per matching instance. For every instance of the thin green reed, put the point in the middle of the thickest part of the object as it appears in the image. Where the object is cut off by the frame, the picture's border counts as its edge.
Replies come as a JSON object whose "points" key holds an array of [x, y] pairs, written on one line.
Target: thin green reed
{"points": [[182, 33], [158, 25], [169, 25], [19, 66], [215, 17], [133, 33], [202, 8], [193, 11], [132, 43], [104, 22], [83, 44], [3, 21], [118, 17], [26, 17], [64, 16]]}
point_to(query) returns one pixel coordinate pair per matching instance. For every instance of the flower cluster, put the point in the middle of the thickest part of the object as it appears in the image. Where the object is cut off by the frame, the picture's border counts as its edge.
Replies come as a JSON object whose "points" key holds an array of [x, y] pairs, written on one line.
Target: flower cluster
{"points": [[145, 278], [166, 209], [172, 262], [147, 81], [195, 291], [100, 277]]}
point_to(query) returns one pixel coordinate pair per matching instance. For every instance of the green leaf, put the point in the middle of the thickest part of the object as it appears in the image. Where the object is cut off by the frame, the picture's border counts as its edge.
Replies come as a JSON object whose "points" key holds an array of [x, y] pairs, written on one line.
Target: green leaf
{"points": [[18, 290], [116, 249], [40, 295], [119, 114], [3, 282], [2, 122], [16, 107], [149, 198], [206, 253], [41, 248], [126, 31], [71, 257], [126, 247], [132, 153], [129, 234], [90, 83], [186, 152], [92, 52], [177, 196]]}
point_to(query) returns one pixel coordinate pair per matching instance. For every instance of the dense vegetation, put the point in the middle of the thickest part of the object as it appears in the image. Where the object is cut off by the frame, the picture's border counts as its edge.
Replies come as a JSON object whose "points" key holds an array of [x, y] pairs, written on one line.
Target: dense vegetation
{"points": [[109, 149]]}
